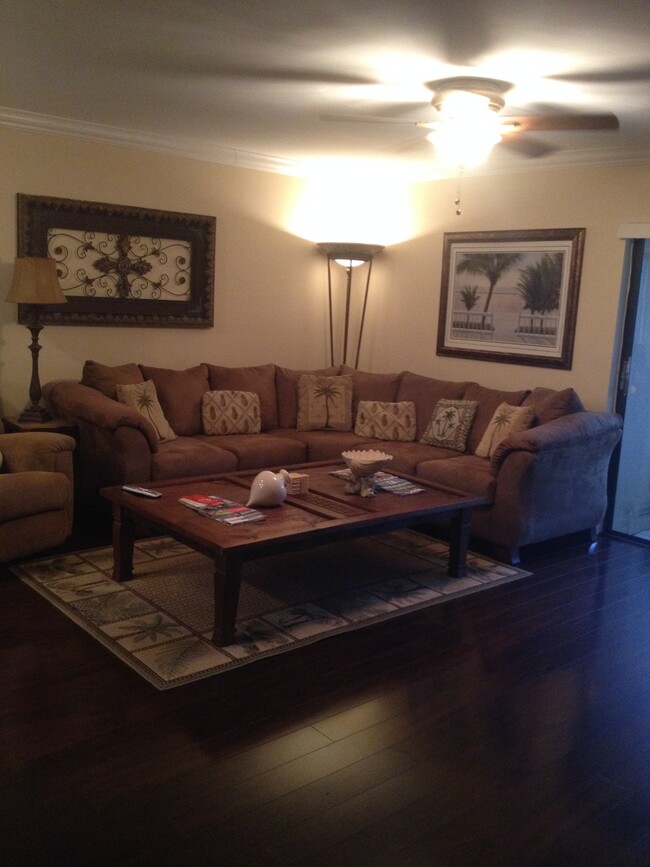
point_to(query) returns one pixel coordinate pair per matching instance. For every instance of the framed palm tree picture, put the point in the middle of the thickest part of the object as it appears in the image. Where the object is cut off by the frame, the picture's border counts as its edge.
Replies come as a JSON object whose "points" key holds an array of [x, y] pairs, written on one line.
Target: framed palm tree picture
{"points": [[511, 296]]}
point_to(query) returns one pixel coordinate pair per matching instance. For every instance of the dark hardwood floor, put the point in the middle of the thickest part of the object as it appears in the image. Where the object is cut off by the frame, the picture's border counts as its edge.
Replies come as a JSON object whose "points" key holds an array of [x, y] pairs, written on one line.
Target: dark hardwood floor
{"points": [[508, 728]]}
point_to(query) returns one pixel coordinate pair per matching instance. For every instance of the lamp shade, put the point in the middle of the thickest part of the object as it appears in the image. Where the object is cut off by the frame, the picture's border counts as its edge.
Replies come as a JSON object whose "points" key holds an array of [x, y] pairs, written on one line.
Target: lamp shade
{"points": [[354, 254], [35, 281]]}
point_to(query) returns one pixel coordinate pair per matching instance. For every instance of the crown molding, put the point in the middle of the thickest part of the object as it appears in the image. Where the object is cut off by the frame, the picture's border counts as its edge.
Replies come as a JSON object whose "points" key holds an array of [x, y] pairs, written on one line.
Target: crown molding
{"points": [[193, 148], [205, 151]]}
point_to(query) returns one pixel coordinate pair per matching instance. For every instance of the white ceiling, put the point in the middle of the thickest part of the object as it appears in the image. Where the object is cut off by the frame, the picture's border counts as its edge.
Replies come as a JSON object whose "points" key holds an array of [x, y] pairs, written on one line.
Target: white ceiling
{"points": [[251, 81]]}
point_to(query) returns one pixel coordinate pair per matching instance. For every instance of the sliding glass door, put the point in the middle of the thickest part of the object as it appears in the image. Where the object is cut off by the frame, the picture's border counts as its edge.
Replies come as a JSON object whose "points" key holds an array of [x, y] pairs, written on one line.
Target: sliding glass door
{"points": [[629, 511]]}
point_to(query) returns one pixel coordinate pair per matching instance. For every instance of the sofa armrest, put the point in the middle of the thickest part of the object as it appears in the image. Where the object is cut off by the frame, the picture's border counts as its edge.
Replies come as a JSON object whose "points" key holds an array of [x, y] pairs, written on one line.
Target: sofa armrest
{"points": [[37, 450], [550, 480], [563, 432], [75, 402]]}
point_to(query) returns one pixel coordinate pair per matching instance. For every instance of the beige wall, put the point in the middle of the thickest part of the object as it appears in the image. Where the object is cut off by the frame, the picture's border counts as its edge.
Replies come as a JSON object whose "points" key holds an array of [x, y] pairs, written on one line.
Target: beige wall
{"points": [[270, 293]]}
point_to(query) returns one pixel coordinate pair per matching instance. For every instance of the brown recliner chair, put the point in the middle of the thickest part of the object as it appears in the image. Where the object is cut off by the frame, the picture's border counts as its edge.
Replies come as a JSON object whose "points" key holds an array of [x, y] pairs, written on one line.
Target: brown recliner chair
{"points": [[36, 492]]}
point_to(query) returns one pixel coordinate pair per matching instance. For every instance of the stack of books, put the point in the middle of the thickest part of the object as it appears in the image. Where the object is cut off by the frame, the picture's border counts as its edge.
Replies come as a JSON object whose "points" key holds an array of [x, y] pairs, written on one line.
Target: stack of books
{"points": [[220, 509]]}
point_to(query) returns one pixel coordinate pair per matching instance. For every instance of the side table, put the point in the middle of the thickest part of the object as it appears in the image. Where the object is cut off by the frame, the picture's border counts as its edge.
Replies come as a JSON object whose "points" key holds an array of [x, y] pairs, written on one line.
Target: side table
{"points": [[55, 425]]}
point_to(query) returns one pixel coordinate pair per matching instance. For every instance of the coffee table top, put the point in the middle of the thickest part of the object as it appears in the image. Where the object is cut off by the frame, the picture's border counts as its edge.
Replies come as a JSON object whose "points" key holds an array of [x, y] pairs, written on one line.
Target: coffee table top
{"points": [[326, 510]]}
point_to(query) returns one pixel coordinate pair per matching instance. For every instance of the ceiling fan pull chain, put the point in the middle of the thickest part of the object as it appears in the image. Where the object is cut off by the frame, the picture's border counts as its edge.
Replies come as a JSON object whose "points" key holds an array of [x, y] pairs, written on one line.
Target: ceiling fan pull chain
{"points": [[457, 199]]}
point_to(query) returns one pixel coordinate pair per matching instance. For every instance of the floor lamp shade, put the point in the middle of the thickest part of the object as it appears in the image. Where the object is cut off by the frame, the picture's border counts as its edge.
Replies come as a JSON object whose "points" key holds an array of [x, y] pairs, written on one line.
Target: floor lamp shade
{"points": [[34, 283]]}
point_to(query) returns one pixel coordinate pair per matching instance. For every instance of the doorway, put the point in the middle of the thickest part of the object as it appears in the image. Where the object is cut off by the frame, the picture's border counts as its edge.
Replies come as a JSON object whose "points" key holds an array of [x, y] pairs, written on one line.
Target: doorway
{"points": [[629, 495]]}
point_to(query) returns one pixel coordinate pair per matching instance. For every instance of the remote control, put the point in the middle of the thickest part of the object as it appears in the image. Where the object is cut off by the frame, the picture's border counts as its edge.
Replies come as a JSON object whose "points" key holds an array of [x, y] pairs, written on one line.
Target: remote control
{"points": [[141, 492]]}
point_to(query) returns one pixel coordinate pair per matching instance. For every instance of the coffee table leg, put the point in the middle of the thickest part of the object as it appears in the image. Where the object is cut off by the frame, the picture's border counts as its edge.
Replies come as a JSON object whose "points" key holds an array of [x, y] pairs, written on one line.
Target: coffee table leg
{"points": [[459, 543], [123, 536], [227, 580]]}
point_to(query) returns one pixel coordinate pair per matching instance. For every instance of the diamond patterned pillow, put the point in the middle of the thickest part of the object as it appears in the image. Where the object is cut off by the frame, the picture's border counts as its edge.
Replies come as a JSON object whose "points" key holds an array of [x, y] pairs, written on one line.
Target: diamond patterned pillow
{"points": [[386, 421], [143, 397], [450, 424], [231, 412]]}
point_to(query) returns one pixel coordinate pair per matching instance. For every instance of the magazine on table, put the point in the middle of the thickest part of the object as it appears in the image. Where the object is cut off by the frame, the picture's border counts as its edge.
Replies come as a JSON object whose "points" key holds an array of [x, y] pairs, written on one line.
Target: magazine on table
{"points": [[386, 482], [220, 509]]}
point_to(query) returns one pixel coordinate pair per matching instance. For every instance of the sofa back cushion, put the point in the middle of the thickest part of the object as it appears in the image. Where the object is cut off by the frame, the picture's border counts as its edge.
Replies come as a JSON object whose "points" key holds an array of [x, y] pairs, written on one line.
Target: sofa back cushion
{"points": [[371, 386], [106, 379], [259, 379], [489, 399], [425, 392], [549, 404], [286, 383], [180, 393]]}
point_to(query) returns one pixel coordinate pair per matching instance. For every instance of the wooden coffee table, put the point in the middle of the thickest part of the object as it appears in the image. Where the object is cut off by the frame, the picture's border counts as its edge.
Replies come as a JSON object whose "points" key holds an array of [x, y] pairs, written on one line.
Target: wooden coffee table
{"points": [[324, 514]]}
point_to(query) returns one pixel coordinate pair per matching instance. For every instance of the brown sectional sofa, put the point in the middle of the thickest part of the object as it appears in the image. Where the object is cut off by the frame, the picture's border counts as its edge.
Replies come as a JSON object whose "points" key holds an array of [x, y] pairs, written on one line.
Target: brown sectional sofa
{"points": [[544, 482]]}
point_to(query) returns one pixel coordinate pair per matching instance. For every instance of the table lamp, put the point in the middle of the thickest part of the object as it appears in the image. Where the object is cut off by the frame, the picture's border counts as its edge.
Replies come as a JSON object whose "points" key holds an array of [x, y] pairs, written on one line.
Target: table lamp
{"points": [[35, 282]]}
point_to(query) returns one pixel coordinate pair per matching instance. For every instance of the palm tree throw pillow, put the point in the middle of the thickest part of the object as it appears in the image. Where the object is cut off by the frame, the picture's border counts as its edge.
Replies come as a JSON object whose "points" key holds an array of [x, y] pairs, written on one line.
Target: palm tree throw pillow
{"points": [[143, 397], [324, 402], [506, 420], [450, 424]]}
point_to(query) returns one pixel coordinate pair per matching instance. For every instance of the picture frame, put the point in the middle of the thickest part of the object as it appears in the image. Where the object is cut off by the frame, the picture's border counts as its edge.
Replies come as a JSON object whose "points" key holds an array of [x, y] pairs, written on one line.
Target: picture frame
{"points": [[120, 264], [511, 296]]}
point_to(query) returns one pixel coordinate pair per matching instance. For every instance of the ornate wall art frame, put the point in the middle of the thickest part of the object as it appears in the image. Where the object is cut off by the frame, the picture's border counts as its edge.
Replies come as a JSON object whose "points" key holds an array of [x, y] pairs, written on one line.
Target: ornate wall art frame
{"points": [[511, 296], [122, 265]]}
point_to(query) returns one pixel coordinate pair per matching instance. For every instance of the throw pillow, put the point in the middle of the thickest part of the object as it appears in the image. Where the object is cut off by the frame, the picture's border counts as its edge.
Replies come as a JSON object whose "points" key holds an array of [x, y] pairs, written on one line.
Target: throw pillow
{"points": [[450, 424], [142, 396], [231, 412], [506, 420], [324, 402], [386, 421]]}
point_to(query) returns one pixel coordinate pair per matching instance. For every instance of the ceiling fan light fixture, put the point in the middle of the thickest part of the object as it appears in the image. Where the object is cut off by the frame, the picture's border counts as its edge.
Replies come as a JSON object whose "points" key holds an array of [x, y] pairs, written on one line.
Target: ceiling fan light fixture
{"points": [[466, 142]]}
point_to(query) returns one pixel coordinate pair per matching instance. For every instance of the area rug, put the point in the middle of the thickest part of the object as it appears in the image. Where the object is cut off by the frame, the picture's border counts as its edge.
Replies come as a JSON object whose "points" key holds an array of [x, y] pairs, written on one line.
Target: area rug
{"points": [[160, 622]]}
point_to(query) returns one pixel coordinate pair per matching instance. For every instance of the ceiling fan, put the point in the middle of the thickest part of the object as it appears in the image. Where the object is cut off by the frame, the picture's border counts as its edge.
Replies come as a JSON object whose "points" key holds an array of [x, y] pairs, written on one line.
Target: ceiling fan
{"points": [[469, 114]]}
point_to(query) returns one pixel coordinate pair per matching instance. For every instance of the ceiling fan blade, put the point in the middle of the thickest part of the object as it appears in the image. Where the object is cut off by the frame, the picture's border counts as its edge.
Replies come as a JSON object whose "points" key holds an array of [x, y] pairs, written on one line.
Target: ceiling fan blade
{"points": [[411, 146], [365, 118], [606, 76], [561, 122], [526, 146]]}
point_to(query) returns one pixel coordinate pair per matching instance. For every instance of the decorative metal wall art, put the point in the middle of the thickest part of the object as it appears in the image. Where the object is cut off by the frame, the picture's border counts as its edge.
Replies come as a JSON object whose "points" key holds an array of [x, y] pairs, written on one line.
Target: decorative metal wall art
{"points": [[122, 265], [511, 296]]}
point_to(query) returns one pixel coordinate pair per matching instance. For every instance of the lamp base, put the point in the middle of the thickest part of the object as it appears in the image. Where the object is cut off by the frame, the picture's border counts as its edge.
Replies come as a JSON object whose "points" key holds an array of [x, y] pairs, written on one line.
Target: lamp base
{"points": [[34, 412]]}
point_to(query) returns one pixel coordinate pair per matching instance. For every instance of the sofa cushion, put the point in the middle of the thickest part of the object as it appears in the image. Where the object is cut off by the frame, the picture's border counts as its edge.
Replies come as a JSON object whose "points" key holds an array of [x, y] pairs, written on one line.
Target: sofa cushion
{"points": [[324, 402], [488, 400], [231, 412], [386, 420], [463, 472], [507, 420], [425, 393], [408, 456], [142, 397], [450, 424], [259, 451], [180, 393], [286, 383], [259, 379], [325, 445], [105, 378], [191, 456], [549, 404]]}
